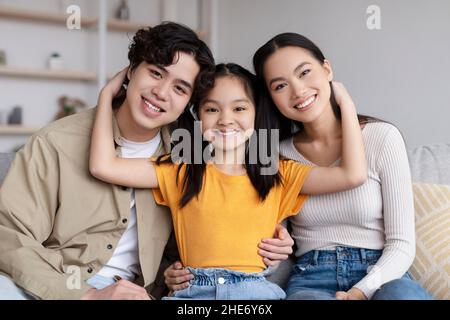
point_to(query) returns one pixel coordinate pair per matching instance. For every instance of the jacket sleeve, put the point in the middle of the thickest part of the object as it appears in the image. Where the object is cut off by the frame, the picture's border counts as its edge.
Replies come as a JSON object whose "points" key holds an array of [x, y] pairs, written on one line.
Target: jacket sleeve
{"points": [[28, 205]]}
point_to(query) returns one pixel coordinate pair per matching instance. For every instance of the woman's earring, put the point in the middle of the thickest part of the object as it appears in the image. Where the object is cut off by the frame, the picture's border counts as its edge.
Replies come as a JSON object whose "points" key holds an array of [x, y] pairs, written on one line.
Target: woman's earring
{"points": [[124, 86]]}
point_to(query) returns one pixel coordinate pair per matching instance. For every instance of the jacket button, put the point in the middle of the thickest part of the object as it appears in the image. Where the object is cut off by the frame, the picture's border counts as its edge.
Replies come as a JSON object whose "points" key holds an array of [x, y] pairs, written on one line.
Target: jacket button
{"points": [[124, 220], [89, 270], [109, 246]]}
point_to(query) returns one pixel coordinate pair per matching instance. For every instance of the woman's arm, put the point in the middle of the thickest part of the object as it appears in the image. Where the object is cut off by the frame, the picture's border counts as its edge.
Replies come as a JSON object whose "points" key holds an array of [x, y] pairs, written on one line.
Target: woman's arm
{"points": [[398, 215], [104, 164], [352, 171]]}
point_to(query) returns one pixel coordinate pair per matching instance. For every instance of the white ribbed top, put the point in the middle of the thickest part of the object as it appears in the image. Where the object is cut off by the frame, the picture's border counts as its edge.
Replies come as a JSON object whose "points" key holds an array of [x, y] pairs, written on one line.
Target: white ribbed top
{"points": [[377, 215]]}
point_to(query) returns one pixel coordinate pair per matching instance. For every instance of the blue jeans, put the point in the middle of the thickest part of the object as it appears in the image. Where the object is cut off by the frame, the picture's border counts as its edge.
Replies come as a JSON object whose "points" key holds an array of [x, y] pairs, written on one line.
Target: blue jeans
{"points": [[9, 290], [222, 284], [319, 274]]}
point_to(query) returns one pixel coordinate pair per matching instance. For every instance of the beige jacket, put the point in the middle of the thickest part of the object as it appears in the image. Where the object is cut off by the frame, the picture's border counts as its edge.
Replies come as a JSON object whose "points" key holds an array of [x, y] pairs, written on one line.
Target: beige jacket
{"points": [[59, 225]]}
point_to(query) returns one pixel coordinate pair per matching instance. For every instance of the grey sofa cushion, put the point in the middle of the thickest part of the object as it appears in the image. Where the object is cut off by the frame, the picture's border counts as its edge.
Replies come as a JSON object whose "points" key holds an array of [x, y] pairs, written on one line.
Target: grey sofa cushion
{"points": [[5, 161], [431, 163]]}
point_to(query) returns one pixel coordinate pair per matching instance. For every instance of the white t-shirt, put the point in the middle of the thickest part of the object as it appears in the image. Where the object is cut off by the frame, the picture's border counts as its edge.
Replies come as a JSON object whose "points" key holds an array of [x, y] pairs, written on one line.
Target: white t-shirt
{"points": [[125, 259]]}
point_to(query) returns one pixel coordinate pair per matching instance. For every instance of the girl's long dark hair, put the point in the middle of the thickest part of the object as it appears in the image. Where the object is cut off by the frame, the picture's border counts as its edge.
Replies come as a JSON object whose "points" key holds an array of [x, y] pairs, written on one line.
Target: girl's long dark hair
{"points": [[289, 127], [192, 181]]}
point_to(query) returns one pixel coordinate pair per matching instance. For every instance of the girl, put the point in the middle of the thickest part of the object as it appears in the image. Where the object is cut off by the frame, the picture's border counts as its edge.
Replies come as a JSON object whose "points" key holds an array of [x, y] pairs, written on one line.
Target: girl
{"points": [[223, 206], [356, 244]]}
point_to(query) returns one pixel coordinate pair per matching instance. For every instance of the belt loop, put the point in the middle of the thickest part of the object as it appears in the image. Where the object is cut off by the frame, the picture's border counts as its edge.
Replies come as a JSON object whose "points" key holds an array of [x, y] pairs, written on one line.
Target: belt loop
{"points": [[363, 255], [316, 257]]}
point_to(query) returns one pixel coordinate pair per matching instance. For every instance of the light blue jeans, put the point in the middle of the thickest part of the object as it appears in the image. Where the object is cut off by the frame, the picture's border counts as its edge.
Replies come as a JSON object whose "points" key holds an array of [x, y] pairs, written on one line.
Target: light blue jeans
{"points": [[223, 284], [10, 291], [318, 274]]}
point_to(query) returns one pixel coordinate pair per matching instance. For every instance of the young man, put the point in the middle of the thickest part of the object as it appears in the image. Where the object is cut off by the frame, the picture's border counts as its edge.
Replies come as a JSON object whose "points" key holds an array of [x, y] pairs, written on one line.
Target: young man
{"points": [[66, 235]]}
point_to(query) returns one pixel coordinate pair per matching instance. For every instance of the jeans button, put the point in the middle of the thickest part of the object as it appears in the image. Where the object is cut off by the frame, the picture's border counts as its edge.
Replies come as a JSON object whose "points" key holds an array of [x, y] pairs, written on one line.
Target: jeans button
{"points": [[221, 280]]}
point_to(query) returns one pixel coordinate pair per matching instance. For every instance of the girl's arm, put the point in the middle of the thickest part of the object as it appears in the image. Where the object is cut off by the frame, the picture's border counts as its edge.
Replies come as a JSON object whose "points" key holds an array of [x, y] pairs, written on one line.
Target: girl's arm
{"points": [[352, 171], [104, 164]]}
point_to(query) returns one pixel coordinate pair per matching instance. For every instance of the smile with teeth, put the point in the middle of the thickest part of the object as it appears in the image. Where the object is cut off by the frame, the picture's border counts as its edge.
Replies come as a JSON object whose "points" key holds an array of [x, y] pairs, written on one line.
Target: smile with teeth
{"points": [[152, 107], [306, 103], [226, 133]]}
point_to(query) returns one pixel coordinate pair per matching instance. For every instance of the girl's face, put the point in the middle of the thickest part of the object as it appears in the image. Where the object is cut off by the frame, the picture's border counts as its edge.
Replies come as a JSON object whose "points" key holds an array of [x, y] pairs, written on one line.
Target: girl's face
{"points": [[227, 114], [298, 83]]}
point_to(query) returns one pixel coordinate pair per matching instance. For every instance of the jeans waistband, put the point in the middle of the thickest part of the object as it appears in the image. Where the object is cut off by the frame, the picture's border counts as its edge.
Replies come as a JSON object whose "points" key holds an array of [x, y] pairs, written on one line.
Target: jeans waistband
{"points": [[217, 276], [340, 253]]}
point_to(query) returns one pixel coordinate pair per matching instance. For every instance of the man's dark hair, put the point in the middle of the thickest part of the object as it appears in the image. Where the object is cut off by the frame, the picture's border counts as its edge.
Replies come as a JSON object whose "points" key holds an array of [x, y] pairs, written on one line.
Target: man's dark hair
{"points": [[158, 45]]}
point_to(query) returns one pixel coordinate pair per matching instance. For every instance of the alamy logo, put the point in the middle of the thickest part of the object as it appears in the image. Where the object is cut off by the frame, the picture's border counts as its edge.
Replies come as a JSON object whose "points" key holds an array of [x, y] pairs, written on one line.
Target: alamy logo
{"points": [[73, 21], [374, 18], [74, 280], [190, 149]]}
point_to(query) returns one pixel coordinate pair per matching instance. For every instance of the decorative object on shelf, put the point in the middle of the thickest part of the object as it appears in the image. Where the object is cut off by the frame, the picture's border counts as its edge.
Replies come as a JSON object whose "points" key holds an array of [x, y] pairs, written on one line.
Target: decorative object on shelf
{"points": [[55, 61], [2, 57], [123, 12], [15, 116], [68, 106]]}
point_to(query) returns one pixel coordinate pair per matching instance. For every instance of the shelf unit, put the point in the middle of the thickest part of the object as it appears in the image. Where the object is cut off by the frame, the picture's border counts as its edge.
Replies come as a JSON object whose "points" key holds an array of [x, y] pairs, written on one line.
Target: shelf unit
{"points": [[100, 24], [13, 129], [27, 15], [47, 74], [60, 18]]}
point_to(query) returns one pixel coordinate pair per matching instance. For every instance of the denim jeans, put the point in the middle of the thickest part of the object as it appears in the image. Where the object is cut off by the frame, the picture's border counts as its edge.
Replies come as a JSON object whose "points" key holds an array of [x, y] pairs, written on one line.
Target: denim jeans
{"points": [[319, 274], [222, 284], [9, 290]]}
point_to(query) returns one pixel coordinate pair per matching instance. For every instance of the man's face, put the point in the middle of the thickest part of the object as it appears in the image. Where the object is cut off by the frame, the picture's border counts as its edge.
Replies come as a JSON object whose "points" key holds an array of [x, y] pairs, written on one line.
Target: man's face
{"points": [[156, 96]]}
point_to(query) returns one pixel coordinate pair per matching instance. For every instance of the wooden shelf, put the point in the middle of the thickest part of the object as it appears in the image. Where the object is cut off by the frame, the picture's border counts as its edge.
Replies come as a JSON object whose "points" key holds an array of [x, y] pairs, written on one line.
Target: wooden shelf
{"points": [[38, 16], [17, 130], [127, 26], [60, 18], [47, 74]]}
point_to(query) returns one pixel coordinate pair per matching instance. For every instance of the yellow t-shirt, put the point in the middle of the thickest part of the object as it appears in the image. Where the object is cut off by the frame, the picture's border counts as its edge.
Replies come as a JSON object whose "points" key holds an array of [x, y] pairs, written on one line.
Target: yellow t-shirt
{"points": [[223, 226]]}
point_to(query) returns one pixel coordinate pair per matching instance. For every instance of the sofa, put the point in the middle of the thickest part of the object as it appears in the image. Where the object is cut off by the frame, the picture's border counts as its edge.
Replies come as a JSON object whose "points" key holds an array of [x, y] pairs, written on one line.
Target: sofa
{"points": [[430, 171], [430, 168]]}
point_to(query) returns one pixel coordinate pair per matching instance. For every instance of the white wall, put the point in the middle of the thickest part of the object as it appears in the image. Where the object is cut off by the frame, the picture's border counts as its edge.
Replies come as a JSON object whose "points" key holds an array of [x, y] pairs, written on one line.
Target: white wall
{"points": [[399, 73]]}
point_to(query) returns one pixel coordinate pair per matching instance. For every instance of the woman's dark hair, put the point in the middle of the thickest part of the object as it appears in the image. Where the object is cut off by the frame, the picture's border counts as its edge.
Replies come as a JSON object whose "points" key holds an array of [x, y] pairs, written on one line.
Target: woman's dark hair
{"points": [[195, 170], [289, 127], [158, 45]]}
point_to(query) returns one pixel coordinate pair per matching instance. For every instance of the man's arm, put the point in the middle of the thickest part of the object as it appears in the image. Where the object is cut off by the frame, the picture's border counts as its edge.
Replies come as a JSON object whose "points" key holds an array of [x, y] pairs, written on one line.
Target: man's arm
{"points": [[28, 206]]}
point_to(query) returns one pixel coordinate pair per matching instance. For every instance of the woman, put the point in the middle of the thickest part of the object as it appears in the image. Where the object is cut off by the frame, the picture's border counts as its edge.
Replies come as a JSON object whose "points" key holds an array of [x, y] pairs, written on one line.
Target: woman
{"points": [[356, 244]]}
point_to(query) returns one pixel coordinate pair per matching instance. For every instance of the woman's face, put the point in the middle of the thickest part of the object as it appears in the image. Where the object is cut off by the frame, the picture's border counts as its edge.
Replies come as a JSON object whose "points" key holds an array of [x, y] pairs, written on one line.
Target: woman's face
{"points": [[298, 83], [227, 114]]}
